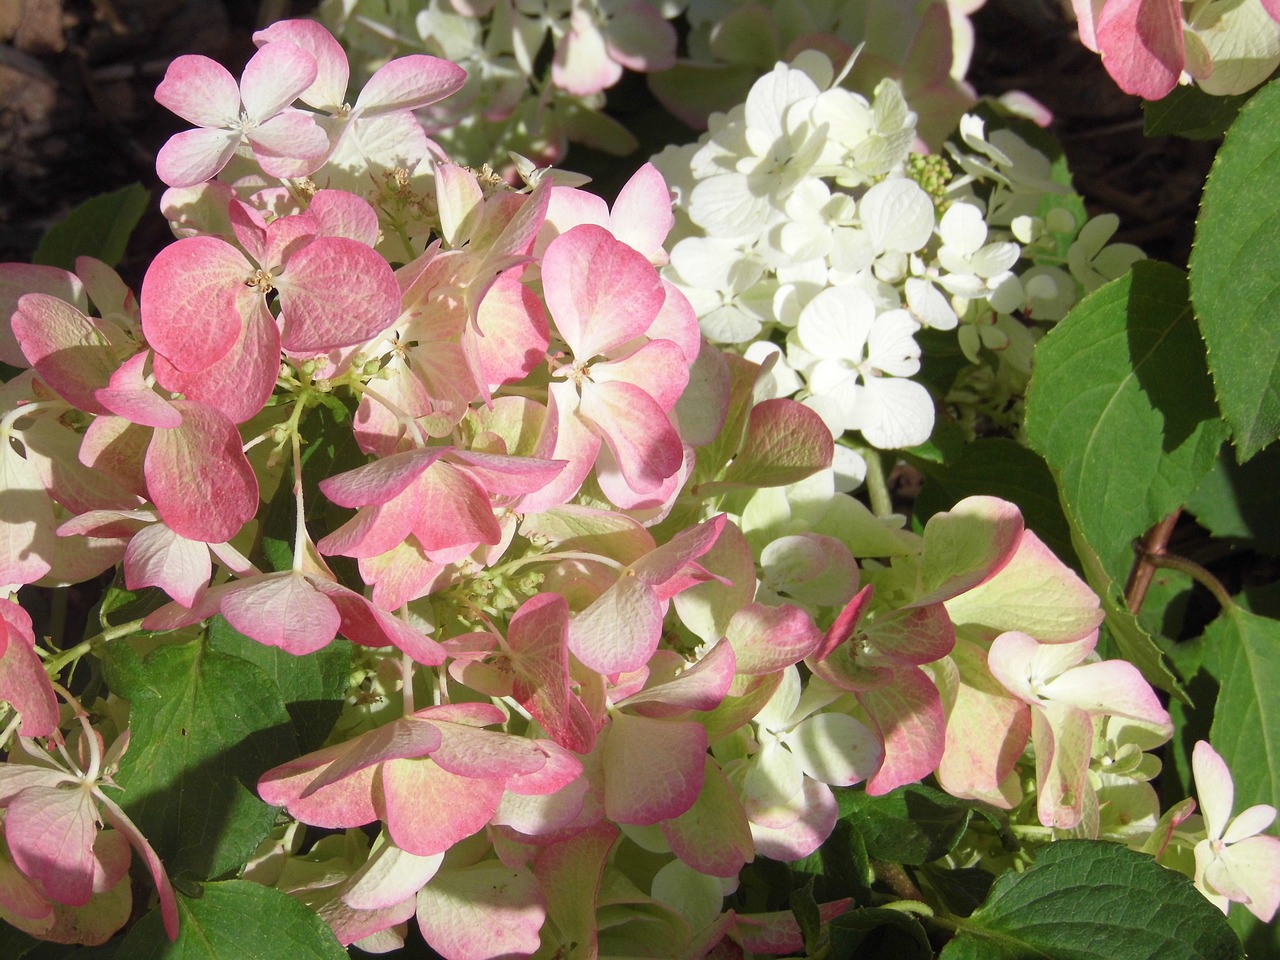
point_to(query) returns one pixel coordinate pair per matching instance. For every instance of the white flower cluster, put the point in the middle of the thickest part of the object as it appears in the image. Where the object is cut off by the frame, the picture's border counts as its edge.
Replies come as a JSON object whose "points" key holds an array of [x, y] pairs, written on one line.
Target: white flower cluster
{"points": [[804, 217]]}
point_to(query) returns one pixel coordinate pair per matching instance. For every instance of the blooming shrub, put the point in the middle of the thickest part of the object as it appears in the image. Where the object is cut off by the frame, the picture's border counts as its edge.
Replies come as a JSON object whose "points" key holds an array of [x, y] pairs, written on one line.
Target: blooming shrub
{"points": [[477, 568]]}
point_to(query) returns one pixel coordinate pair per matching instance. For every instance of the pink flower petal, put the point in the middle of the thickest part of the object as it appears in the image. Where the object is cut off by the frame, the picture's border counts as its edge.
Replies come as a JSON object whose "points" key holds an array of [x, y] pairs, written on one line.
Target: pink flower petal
{"points": [[273, 78], [129, 395], [427, 809], [767, 639], [198, 477], [50, 832], [336, 292], [620, 630], [156, 556], [189, 301], [908, 714], [600, 292], [642, 215], [281, 610], [713, 836], [538, 640], [194, 156], [637, 431], [200, 91], [581, 63], [654, 769], [407, 83], [24, 684], [292, 135], [641, 39], [67, 349], [329, 89], [482, 912], [1142, 45]]}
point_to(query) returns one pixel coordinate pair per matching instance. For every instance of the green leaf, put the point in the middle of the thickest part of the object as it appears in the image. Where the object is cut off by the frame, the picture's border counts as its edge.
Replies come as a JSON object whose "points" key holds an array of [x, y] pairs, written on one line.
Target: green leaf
{"points": [[1191, 113], [913, 824], [805, 909], [1242, 501], [313, 686], [236, 920], [100, 227], [1000, 468], [1246, 723], [841, 866], [1121, 409], [878, 933], [1085, 899], [205, 726], [1235, 273]]}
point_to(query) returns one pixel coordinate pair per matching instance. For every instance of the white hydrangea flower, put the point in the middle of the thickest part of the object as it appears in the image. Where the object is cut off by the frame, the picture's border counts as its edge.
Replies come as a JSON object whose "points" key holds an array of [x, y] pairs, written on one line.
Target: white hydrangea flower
{"points": [[1093, 261], [974, 267], [857, 381]]}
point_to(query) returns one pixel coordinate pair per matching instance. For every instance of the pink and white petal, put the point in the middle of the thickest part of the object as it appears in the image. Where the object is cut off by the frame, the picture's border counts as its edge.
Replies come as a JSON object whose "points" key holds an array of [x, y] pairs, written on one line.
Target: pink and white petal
{"points": [[1253, 866], [568, 208], [238, 383], [347, 803], [561, 769], [1142, 45], [659, 367], [1111, 687], [67, 349], [190, 311], [50, 832], [601, 293], [329, 89], [701, 687], [427, 809], [1215, 788], [293, 135], [581, 63], [653, 769], [482, 912], [908, 715], [637, 431], [156, 556], [767, 639], [200, 91], [1035, 592], [198, 477], [115, 816], [540, 814], [1063, 739], [343, 214], [512, 332], [128, 395], [914, 635], [640, 38], [772, 789], [713, 836], [18, 279], [407, 83], [373, 531], [336, 292], [620, 630], [24, 684], [382, 480], [968, 545], [677, 321], [282, 610], [469, 751], [1021, 662], [273, 78], [194, 156], [380, 143], [404, 738], [367, 625], [389, 876], [454, 511], [1250, 822], [642, 215], [505, 476], [802, 837]]}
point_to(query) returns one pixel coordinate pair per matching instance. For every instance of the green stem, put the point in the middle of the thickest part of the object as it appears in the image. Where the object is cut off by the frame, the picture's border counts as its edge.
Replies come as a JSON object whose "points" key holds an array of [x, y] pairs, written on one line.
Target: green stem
{"points": [[1196, 572], [54, 667], [877, 487]]}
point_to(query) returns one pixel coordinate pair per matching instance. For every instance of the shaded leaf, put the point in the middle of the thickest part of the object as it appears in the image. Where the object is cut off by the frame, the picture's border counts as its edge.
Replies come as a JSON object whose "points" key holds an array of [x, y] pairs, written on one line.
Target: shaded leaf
{"points": [[1246, 723], [1235, 273], [1242, 501], [1190, 112], [1092, 899], [100, 227], [236, 920], [205, 726], [913, 824]]}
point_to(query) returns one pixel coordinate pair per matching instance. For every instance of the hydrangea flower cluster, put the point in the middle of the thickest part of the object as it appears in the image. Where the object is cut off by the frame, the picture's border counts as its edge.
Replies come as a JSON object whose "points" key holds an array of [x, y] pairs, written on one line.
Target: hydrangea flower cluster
{"points": [[618, 632], [807, 227], [516, 100]]}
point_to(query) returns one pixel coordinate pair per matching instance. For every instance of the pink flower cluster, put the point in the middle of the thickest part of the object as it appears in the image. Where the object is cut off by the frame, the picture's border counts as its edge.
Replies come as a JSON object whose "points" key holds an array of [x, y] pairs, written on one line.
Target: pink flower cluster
{"points": [[542, 532]]}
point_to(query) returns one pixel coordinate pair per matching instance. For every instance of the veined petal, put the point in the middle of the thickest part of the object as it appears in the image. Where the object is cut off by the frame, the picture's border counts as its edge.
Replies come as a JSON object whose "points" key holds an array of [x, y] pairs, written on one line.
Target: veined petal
{"points": [[156, 556], [292, 134], [1250, 870], [653, 769], [836, 749], [381, 480], [636, 429], [908, 715], [1142, 45], [581, 64], [642, 215], [427, 809], [1215, 788], [189, 301], [194, 156], [281, 610], [659, 368], [273, 78], [329, 89], [50, 832], [407, 83], [836, 324], [335, 292], [1113, 687], [200, 91], [620, 630], [600, 291]]}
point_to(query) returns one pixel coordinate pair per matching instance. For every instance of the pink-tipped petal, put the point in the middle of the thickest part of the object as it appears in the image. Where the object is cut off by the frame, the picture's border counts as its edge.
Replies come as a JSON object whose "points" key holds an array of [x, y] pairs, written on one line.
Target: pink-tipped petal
{"points": [[200, 91], [194, 156], [273, 78], [654, 769], [329, 89], [408, 83], [1142, 45], [336, 292]]}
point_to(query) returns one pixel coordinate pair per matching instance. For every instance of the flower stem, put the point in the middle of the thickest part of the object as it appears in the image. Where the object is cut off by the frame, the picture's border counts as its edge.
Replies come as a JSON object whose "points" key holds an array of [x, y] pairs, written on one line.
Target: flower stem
{"points": [[54, 666], [877, 487]]}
